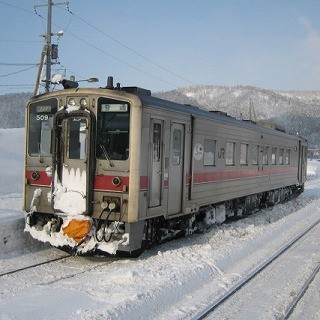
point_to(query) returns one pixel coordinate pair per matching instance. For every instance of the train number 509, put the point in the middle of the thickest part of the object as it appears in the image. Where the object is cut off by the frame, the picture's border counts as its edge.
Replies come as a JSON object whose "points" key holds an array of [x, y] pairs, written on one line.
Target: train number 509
{"points": [[42, 117]]}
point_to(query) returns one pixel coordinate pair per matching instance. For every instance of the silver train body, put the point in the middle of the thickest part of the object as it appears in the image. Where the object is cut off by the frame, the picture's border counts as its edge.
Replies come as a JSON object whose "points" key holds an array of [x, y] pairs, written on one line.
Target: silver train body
{"points": [[114, 170]]}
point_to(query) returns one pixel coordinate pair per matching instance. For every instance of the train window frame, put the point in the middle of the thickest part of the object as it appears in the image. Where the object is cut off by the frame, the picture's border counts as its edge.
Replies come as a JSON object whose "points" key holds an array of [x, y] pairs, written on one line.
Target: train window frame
{"points": [[273, 155], [265, 155], [244, 147], [281, 156], [255, 154], [177, 137], [77, 138], [113, 143], [230, 153], [156, 137], [40, 127], [288, 156], [209, 157]]}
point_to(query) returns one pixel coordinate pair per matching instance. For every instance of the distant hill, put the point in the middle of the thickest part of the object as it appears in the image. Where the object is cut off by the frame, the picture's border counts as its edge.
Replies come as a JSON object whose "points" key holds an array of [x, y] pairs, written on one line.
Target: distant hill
{"points": [[297, 111], [236, 100]]}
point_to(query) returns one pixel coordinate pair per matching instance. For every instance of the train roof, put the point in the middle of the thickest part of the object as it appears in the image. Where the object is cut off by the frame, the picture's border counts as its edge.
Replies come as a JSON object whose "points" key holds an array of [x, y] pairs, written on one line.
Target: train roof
{"points": [[214, 115], [145, 96]]}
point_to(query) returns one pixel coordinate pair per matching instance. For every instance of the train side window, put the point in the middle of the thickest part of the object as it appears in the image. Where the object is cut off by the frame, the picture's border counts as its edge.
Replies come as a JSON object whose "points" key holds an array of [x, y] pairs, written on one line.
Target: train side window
{"points": [[230, 151], [209, 152], [281, 154], [274, 155], [156, 142], [265, 155], [255, 154], [176, 145], [288, 156], [244, 154]]}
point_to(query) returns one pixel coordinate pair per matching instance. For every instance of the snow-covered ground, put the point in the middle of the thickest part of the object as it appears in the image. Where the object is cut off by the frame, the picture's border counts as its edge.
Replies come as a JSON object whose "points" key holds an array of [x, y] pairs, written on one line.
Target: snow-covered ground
{"points": [[171, 281]]}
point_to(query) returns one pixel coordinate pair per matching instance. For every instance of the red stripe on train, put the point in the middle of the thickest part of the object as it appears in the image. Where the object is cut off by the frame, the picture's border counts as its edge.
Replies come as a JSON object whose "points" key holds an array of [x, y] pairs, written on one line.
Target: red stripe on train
{"points": [[105, 182], [42, 180], [101, 182], [205, 177]]}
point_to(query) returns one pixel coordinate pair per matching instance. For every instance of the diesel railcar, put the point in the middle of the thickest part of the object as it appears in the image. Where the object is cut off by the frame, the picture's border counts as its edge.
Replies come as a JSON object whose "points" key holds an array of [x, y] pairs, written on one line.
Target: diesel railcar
{"points": [[115, 169]]}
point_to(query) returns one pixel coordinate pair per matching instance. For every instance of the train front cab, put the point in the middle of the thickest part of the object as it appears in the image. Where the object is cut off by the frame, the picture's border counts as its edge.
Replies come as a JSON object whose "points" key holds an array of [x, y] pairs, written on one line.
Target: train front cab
{"points": [[78, 165]]}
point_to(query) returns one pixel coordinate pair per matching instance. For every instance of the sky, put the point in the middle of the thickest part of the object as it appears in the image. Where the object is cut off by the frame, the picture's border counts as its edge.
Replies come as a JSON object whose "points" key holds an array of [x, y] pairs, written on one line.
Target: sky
{"points": [[166, 44]]}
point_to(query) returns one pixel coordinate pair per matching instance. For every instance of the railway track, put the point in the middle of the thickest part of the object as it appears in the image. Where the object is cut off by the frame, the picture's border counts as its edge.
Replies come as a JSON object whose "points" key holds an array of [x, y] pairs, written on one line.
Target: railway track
{"points": [[206, 312], [304, 288], [67, 256], [35, 265]]}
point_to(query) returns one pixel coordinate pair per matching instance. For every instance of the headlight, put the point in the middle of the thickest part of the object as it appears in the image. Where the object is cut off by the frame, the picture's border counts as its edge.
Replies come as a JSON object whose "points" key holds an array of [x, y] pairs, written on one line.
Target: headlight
{"points": [[116, 181], [35, 176], [83, 102], [71, 102]]}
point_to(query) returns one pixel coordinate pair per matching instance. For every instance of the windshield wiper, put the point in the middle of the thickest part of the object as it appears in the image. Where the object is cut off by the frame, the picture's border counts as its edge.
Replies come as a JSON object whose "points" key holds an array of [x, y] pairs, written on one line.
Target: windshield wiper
{"points": [[39, 151], [105, 153]]}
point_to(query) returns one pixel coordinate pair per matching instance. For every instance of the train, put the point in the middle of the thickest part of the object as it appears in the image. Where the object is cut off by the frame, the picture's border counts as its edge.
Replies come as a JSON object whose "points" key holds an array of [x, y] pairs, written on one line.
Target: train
{"points": [[114, 170]]}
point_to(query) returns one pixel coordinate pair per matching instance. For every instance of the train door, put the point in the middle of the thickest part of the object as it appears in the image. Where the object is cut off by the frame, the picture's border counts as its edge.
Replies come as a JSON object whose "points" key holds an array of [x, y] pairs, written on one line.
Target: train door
{"points": [[156, 163], [176, 168], [302, 162], [72, 179]]}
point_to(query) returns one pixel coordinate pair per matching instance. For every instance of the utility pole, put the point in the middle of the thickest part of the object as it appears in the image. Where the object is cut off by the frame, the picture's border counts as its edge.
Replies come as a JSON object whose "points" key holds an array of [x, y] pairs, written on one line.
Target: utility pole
{"points": [[48, 46], [48, 42]]}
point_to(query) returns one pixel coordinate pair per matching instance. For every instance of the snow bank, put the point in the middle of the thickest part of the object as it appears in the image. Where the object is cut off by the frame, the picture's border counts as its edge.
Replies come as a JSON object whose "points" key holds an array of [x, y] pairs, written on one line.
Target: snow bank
{"points": [[15, 242], [11, 160], [313, 169]]}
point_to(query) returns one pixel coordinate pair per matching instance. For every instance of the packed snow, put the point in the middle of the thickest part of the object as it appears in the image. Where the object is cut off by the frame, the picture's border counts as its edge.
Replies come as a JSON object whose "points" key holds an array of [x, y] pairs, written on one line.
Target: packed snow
{"points": [[70, 194], [171, 281]]}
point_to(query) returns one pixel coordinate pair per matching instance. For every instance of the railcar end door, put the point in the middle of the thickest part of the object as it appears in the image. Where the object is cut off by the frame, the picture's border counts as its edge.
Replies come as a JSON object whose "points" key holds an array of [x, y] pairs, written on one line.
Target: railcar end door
{"points": [[71, 169], [176, 168]]}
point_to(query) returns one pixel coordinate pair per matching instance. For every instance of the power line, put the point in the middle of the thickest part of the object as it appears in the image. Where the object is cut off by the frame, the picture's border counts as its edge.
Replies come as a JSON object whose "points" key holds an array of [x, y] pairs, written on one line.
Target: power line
{"points": [[17, 85], [74, 73], [20, 71], [16, 7], [24, 41], [18, 64], [118, 59], [99, 49], [128, 48]]}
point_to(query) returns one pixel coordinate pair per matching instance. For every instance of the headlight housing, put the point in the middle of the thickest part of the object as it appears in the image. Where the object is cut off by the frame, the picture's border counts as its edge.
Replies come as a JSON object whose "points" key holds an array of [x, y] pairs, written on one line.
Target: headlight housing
{"points": [[83, 102], [71, 102]]}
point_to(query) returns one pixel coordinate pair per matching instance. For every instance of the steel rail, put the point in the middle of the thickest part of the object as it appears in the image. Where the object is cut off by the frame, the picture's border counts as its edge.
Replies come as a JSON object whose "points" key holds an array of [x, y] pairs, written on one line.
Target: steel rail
{"points": [[303, 290], [35, 265], [209, 309]]}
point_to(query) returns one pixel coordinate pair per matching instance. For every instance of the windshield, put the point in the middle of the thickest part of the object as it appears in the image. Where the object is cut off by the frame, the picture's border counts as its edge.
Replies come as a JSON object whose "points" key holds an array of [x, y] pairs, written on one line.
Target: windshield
{"points": [[77, 138], [40, 127], [113, 129]]}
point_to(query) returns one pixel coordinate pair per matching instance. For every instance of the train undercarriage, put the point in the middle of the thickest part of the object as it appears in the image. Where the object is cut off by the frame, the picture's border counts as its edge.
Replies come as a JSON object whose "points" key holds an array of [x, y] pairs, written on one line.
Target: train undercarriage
{"points": [[115, 238]]}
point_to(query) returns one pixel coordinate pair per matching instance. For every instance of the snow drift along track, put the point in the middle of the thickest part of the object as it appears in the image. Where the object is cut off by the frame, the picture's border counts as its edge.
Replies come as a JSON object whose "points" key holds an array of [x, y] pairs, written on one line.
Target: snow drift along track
{"points": [[207, 311]]}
